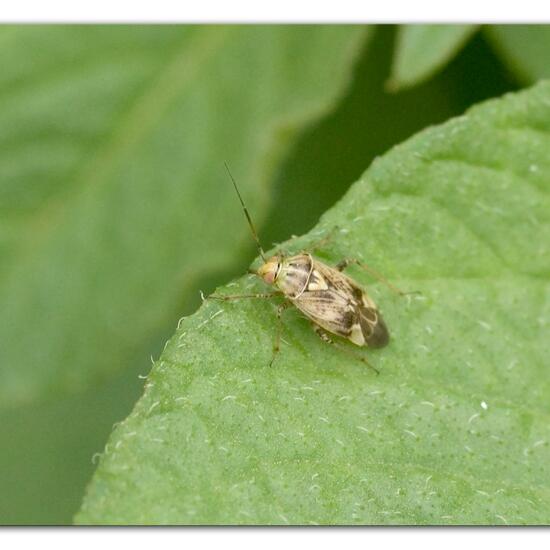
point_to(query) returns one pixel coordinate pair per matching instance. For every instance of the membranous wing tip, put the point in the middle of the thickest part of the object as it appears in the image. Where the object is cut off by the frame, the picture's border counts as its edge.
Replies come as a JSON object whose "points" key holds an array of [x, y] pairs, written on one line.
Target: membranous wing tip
{"points": [[373, 327]]}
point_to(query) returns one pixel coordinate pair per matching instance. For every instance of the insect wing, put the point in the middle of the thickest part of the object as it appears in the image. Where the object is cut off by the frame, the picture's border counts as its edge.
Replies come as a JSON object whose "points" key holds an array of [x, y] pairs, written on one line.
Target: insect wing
{"points": [[328, 309], [334, 302], [329, 300]]}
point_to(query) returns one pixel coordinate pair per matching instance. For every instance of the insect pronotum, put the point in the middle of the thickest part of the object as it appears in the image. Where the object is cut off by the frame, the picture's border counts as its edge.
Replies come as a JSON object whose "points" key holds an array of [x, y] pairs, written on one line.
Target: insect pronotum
{"points": [[331, 300]]}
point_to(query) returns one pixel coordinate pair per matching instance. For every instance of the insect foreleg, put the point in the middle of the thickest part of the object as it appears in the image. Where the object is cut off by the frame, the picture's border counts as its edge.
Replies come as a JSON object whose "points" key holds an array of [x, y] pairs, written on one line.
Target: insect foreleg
{"points": [[223, 297], [280, 309], [326, 338], [319, 244], [340, 266], [323, 241], [277, 343]]}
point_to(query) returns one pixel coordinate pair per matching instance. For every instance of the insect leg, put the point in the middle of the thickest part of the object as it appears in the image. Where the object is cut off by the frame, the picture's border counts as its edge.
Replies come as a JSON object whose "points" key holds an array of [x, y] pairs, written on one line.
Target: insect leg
{"points": [[323, 241], [326, 338], [280, 309], [340, 266], [223, 297], [317, 245], [277, 343]]}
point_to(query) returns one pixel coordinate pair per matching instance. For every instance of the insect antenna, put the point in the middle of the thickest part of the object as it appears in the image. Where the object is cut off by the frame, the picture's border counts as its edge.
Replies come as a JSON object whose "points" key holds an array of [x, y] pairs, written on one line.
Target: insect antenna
{"points": [[249, 219]]}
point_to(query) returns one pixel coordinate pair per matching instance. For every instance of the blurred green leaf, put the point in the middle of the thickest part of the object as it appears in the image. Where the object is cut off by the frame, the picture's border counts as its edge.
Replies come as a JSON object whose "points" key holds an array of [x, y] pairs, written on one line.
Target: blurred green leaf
{"points": [[525, 48], [423, 49], [113, 196], [454, 430]]}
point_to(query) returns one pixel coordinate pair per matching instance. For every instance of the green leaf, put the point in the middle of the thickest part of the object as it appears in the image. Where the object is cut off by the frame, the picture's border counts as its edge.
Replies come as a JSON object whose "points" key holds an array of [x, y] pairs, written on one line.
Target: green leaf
{"points": [[422, 50], [525, 48], [455, 428], [110, 134]]}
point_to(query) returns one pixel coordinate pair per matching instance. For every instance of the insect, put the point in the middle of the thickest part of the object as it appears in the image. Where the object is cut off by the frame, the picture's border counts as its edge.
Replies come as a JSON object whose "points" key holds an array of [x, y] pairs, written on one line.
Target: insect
{"points": [[331, 300]]}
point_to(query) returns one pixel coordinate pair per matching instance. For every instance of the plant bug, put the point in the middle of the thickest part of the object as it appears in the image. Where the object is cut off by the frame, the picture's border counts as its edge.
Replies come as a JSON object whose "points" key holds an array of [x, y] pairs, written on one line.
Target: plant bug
{"points": [[330, 299]]}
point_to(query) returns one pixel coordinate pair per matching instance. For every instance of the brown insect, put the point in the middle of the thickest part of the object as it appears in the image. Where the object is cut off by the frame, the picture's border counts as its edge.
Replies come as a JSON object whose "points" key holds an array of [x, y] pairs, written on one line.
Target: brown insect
{"points": [[331, 300]]}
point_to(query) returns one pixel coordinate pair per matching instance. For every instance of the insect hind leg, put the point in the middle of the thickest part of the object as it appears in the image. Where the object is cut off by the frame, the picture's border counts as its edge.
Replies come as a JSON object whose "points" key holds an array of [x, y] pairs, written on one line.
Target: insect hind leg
{"points": [[341, 265], [326, 338]]}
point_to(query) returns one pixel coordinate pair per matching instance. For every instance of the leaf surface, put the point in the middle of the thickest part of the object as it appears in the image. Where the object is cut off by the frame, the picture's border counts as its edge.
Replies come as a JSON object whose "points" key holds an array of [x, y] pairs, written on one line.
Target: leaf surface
{"points": [[455, 428]]}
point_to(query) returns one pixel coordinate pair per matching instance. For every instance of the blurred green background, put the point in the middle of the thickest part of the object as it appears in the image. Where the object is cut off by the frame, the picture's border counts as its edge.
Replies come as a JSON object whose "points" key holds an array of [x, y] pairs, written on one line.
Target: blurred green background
{"points": [[113, 210]]}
